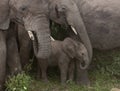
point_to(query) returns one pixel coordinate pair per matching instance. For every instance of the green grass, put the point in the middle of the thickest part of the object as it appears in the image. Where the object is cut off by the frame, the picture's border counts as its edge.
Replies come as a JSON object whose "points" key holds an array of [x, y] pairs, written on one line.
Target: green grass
{"points": [[104, 75], [100, 82], [101, 78]]}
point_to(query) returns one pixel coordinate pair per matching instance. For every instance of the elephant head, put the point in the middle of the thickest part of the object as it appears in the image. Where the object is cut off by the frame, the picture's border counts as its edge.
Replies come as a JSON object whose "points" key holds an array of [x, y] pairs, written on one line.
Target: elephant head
{"points": [[77, 50], [35, 15]]}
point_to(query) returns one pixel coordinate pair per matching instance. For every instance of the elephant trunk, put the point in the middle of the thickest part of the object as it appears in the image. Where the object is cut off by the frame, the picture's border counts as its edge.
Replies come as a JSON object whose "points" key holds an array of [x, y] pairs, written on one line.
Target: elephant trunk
{"points": [[77, 25], [85, 64], [41, 45], [41, 42]]}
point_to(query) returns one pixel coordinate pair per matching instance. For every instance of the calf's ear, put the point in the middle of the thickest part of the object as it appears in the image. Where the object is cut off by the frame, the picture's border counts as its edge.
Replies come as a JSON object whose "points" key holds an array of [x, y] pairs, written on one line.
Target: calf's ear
{"points": [[69, 50]]}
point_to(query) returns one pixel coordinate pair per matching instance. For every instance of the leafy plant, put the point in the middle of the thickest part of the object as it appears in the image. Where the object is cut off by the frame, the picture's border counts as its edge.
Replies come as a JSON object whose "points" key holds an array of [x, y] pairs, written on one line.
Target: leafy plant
{"points": [[114, 68], [107, 61], [20, 82]]}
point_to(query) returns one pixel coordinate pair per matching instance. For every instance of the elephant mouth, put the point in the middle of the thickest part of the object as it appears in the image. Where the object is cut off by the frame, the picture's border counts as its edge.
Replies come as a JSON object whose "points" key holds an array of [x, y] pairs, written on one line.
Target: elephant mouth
{"points": [[82, 64]]}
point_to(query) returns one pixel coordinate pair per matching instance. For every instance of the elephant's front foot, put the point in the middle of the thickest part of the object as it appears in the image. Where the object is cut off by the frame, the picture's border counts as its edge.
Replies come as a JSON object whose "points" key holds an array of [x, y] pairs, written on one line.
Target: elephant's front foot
{"points": [[45, 80], [44, 77]]}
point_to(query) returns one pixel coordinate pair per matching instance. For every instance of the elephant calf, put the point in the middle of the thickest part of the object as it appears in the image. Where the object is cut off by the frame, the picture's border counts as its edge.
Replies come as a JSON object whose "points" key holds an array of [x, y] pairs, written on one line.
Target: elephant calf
{"points": [[63, 52]]}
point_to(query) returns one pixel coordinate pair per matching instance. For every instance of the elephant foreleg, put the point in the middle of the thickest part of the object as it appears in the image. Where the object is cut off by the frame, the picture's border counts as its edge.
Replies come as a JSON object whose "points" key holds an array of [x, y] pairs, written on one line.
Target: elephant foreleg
{"points": [[63, 66], [38, 71], [71, 70], [2, 59], [13, 58], [43, 66], [25, 45]]}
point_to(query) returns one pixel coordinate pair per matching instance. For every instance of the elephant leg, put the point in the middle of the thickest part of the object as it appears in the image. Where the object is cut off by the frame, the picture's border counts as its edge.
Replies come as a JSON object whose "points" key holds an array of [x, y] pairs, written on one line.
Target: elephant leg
{"points": [[71, 71], [25, 55], [25, 46], [2, 59], [63, 65], [13, 58], [43, 66], [81, 75], [38, 71]]}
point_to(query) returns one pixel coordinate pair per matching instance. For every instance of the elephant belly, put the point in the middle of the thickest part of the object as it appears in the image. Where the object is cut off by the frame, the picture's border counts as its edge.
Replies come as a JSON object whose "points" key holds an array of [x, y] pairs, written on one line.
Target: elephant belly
{"points": [[102, 21], [53, 61]]}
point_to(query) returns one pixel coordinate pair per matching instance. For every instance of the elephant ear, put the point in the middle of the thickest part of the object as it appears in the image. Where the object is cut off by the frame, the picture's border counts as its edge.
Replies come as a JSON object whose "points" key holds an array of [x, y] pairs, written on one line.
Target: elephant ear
{"points": [[69, 48], [4, 14]]}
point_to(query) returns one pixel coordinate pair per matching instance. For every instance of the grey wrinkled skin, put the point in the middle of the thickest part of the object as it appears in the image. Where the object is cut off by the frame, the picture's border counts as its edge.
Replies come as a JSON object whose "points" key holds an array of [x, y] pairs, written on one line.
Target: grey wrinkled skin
{"points": [[63, 52], [101, 18], [2, 59], [35, 15], [25, 46], [8, 54], [13, 57]]}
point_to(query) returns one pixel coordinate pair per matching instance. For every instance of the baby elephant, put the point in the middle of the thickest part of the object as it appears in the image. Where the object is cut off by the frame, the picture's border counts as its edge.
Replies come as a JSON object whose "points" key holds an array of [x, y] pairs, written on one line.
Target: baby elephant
{"points": [[62, 53]]}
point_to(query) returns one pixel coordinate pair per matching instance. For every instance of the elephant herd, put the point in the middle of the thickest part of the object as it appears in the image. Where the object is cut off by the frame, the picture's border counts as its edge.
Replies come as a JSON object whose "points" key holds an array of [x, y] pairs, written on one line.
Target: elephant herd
{"points": [[93, 23]]}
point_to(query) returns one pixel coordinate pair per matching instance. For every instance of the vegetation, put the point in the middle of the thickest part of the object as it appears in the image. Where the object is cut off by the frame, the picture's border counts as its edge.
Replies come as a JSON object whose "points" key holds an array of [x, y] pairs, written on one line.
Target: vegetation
{"points": [[104, 73], [21, 82]]}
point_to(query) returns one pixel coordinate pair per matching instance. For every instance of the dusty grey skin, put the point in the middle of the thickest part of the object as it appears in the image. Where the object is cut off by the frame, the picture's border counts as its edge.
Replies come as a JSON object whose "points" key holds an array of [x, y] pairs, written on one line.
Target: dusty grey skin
{"points": [[101, 18], [8, 54], [63, 52], [13, 58], [25, 46], [35, 15], [2, 59], [75, 72]]}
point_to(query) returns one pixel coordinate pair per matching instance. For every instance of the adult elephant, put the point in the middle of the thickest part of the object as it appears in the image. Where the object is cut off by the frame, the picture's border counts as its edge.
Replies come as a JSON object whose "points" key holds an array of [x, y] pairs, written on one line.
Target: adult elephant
{"points": [[101, 18], [13, 58]]}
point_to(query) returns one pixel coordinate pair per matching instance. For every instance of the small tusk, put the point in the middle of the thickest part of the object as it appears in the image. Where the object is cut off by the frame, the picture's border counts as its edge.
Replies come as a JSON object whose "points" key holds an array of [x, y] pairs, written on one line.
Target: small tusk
{"points": [[31, 35], [74, 30], [52, 38]]}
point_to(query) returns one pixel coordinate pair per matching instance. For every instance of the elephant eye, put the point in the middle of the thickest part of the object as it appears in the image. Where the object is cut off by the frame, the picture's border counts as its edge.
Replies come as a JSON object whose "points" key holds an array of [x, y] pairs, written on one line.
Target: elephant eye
{"points": [[23, 8], [82, 54]]}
